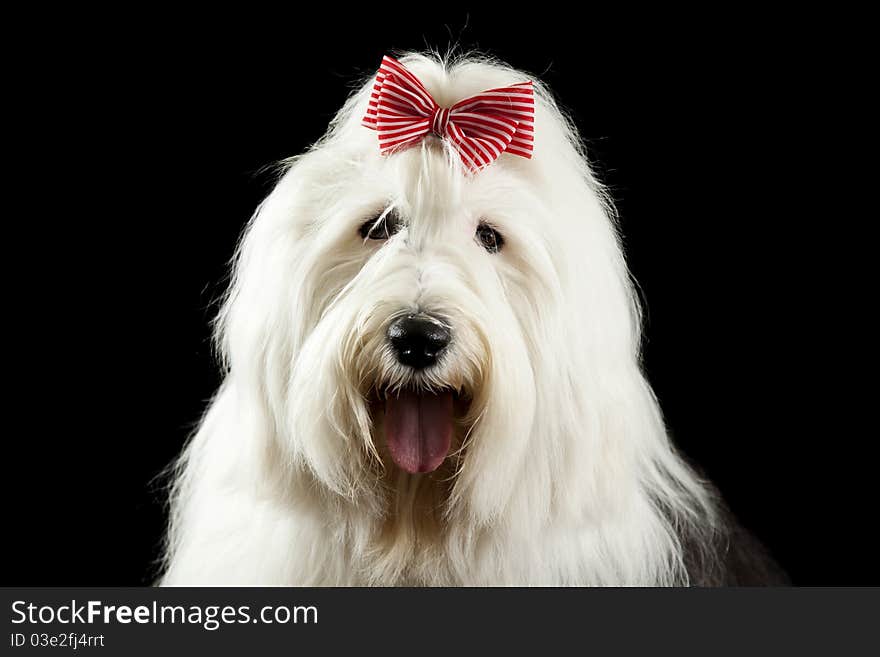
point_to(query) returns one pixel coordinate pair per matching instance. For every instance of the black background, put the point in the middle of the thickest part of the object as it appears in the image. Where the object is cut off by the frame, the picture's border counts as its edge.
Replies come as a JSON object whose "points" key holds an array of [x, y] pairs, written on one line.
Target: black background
{"points": [[141, 141]]}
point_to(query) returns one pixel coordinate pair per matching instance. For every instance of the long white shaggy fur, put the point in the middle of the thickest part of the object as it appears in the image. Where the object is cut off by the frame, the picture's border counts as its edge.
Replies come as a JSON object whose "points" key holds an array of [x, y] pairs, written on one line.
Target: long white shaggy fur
{"points": [[565, 475]]}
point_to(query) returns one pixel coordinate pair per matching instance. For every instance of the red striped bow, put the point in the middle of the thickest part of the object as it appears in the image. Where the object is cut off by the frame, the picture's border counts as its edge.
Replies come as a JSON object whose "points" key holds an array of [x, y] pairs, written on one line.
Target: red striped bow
{"points": [[480, 128]]}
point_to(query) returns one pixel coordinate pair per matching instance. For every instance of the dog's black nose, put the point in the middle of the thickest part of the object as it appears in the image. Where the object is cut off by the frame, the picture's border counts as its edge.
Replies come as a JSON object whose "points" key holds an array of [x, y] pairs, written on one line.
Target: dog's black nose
{"points": [[418, 340]]}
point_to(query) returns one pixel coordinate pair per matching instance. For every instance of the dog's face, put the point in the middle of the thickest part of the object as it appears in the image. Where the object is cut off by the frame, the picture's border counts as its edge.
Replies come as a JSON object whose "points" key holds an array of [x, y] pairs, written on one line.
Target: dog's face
{"points": [[401, 315], [426, 291], [431, 286]]}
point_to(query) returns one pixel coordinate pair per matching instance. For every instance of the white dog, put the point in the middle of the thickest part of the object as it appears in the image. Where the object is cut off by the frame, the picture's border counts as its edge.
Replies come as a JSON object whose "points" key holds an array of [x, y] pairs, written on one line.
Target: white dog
{"points": [[433, 379]]}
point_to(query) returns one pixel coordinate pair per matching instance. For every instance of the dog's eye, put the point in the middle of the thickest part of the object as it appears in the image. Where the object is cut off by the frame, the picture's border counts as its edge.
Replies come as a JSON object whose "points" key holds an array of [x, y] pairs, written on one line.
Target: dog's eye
{"points": [[489, 237], [381, 228]]}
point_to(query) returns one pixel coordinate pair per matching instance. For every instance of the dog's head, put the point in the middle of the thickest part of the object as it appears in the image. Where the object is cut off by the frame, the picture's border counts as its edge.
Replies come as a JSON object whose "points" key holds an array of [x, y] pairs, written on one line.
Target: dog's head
{"points": [[397, 314]]}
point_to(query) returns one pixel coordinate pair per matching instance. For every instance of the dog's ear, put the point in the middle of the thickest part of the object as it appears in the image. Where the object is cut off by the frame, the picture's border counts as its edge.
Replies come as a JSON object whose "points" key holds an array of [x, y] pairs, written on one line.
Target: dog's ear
{"points": [[254, 322]]}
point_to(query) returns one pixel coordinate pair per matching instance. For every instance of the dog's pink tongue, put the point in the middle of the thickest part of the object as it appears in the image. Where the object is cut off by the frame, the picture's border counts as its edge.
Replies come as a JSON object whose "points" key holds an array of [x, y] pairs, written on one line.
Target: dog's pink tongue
{"points": [[418, 428]]}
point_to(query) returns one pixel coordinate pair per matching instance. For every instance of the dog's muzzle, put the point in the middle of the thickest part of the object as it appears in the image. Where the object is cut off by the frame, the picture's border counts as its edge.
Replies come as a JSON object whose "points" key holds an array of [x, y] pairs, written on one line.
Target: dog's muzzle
{"points": [[419, 423]]}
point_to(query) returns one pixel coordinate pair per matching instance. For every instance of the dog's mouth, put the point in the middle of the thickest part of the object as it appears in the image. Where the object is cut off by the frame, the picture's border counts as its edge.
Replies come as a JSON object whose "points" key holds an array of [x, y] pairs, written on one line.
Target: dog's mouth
{"points": [[419, 427]]}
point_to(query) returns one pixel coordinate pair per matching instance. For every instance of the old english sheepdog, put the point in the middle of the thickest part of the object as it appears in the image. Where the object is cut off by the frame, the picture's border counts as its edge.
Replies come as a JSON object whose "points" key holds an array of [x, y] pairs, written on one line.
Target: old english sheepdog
{"points": [[432, 372]]}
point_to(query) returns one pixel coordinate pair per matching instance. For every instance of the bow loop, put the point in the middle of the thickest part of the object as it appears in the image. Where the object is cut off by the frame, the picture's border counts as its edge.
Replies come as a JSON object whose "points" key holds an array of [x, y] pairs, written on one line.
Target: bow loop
{"points": [[480, 128]]}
